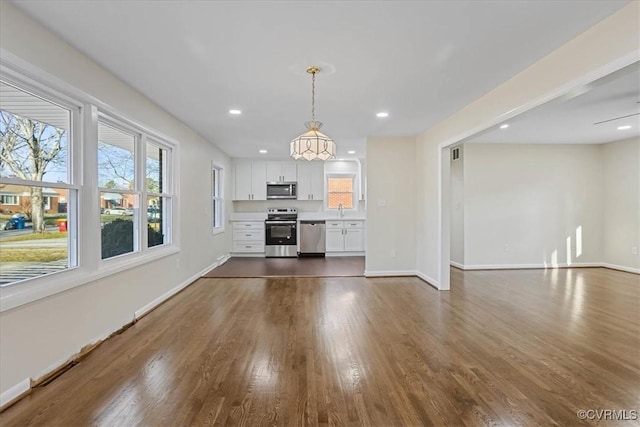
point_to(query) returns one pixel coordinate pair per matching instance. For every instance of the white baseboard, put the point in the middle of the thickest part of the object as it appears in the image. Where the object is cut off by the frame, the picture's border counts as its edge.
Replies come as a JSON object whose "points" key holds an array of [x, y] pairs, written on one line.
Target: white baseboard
{"points": [[621, 268], [153, 304], [430, 280], [389, 273], [457, 265], [523, 266], [14, 393]]}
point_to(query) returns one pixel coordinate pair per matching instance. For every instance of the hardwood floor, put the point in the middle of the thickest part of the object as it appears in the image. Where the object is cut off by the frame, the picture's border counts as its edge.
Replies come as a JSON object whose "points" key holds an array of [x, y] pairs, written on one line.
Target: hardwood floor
{"points": [[291, 267], [526, 347]]}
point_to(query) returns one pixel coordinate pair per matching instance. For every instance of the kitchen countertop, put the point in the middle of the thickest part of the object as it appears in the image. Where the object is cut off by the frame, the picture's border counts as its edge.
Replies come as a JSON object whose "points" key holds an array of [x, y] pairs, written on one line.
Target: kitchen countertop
{"points": [[318, 216]]}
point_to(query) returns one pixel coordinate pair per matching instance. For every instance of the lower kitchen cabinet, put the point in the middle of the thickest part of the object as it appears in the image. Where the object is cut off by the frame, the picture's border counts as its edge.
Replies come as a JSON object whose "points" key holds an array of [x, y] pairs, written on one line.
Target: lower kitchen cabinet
{"points": [[248, 237], [344, 236]]}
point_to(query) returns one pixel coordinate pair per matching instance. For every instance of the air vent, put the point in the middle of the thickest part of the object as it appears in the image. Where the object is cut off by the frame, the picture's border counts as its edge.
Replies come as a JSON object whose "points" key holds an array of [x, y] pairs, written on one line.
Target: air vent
{"points": [[455, 153]]}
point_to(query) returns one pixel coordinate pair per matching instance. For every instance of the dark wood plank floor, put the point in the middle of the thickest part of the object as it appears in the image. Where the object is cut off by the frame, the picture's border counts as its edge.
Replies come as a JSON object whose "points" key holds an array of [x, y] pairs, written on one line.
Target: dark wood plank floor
{"points": [[527, 347], [291, 267]]}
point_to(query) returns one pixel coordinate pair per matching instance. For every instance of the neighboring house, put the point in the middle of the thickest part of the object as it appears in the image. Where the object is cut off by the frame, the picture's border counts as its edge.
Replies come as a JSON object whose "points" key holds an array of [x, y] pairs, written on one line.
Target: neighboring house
{"points": [[112, 200], [15, 199]]}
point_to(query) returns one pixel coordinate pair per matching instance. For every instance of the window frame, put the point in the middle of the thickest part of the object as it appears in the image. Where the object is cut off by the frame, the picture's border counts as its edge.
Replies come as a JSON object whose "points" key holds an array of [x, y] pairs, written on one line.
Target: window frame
{"points": [[354, 193], [16, 201], [217, 199], [82, 196]]}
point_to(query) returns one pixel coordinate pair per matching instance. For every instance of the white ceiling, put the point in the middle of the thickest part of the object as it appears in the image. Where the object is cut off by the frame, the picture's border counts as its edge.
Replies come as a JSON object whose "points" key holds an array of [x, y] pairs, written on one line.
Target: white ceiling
{"points": [[419, 60], [571, 119]]}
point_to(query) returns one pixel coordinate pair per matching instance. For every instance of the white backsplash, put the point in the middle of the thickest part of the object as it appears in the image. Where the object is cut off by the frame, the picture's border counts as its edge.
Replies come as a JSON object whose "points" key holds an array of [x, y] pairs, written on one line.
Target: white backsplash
{"points": [[302, 205]]}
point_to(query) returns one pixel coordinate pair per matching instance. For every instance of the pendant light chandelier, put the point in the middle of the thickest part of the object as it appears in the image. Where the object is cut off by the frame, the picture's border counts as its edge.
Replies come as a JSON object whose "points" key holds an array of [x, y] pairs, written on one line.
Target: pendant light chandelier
{"points": [[313, 144]]}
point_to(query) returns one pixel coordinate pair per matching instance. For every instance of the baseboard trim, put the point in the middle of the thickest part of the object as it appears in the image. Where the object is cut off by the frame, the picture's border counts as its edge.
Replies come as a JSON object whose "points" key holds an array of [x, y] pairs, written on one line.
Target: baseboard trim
{"points": [[524, 266], [457, 265], [428, 280], [389, 273], [162, 298], [15, 393], [621, 268]]}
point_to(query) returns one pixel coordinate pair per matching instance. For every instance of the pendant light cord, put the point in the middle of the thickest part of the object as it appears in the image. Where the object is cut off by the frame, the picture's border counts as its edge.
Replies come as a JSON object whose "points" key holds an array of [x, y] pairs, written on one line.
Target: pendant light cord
{"points": [[313, 96]]}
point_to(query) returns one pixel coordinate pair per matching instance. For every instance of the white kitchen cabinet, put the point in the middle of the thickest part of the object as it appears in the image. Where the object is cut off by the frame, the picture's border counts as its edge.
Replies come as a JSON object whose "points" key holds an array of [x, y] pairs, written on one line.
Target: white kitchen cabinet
{"points": [[282, 172], [344, 235], [250, 181], [310, 181], [248, 237]]}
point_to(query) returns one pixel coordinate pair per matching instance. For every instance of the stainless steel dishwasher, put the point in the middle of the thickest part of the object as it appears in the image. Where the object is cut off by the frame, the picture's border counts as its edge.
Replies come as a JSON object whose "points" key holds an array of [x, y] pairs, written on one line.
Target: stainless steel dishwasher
{"points": [[312, 238]]}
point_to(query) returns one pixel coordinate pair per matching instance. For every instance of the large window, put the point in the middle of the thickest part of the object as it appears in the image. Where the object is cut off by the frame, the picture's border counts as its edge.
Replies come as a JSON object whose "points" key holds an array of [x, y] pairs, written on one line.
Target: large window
{"points": [[118, 195], [217, 199], [129, 205], [80, 186], [340, 191], [37, 236]]}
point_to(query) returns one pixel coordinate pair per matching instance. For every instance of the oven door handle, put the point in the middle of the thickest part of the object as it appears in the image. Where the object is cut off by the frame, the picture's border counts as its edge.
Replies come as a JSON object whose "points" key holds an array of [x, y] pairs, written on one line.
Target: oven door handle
{"points": [[281, 222]]}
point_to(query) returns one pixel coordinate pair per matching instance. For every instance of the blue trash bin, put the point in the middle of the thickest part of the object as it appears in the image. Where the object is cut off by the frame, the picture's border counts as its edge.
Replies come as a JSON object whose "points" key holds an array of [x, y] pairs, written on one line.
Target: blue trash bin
{"points": [[20, 223]]}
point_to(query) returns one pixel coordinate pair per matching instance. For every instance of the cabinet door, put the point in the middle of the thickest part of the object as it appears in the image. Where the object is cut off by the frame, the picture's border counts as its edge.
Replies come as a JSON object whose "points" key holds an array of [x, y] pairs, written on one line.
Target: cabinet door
{"points": [[353, 241], [290, 172], [335, 240], [304, 184], [242, 181], [316, 180], [259, 180], [274, 172]]}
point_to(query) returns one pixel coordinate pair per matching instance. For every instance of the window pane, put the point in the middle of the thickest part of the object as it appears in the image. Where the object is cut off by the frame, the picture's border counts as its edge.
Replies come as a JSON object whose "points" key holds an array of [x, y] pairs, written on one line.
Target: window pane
{"points": [[340, 191], [156, 168], [116, 159], [33, 137], [117, 222], [157, 220], [25, 253]]}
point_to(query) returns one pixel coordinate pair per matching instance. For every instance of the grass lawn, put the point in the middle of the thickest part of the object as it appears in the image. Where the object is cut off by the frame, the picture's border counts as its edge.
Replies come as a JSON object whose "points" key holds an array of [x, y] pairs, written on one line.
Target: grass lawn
{"points": [[37, 236], [32, 254]]}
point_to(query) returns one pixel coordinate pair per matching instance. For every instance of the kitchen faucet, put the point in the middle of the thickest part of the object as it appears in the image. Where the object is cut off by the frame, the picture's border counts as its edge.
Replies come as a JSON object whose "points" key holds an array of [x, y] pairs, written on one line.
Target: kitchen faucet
{"points": [[340, 210]]}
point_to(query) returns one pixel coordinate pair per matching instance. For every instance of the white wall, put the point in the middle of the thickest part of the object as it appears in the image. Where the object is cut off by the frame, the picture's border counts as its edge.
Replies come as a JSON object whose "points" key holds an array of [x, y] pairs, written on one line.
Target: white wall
{"points": [[457, 208], [621, 203], [605, 47], [543, 201], [391, 233], [39, 336]]}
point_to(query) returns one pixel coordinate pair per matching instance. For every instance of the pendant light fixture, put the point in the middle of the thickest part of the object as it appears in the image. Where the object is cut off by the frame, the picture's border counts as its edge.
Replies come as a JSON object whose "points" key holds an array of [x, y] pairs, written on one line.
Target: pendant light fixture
{"points": [[313, 144]]}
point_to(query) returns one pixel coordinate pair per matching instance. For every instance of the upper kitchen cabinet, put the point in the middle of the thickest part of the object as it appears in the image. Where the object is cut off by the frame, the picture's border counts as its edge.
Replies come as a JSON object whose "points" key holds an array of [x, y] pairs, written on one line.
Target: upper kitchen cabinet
{"points": [[311, 181], [250, 180], [282, 172]]}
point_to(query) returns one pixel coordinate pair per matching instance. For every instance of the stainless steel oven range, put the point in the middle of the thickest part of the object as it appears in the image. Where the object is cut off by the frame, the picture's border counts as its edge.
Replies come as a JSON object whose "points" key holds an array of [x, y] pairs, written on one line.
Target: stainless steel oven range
{"points": [[281, 237]]}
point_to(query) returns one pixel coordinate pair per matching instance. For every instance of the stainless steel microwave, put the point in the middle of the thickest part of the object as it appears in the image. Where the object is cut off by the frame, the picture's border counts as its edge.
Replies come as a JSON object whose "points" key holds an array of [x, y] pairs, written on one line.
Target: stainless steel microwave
{"points": [[282, 190]]}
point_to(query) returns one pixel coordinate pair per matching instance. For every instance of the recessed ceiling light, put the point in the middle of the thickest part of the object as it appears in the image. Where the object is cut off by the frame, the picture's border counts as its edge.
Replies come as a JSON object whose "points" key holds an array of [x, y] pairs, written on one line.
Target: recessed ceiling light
{"points": [[382, 114], [235, 112], [263, 151], [624, 127], [504, 126], [351, 152]]}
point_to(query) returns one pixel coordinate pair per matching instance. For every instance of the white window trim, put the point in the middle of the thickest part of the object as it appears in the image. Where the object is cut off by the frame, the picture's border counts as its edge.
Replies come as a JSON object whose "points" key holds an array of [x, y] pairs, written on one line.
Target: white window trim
{"points": [[354, 193], [82, 166], [221, 184], [16, 198]]}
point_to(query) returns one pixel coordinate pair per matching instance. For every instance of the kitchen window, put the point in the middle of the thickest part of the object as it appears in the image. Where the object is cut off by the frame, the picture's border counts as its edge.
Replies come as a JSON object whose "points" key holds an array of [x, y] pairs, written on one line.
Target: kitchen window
{"points": [[340, 191]]}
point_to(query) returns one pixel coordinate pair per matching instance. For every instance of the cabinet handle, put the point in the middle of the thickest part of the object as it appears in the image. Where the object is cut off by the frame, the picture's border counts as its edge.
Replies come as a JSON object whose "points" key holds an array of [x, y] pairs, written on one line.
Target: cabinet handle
{"points": [[248, 235], [248, 247], [312, 197]]}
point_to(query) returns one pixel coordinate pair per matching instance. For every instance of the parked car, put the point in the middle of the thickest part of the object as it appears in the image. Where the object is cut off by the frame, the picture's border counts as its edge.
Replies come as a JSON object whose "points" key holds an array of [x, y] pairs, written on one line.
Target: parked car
{"points": [[118, 211]]}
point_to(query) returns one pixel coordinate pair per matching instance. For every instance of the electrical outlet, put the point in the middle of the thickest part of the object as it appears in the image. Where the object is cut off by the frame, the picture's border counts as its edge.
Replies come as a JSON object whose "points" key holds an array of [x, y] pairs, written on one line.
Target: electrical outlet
{"points": [[394, 254], [506, 247], [382, 202], [634, 250], [177, 262]]}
